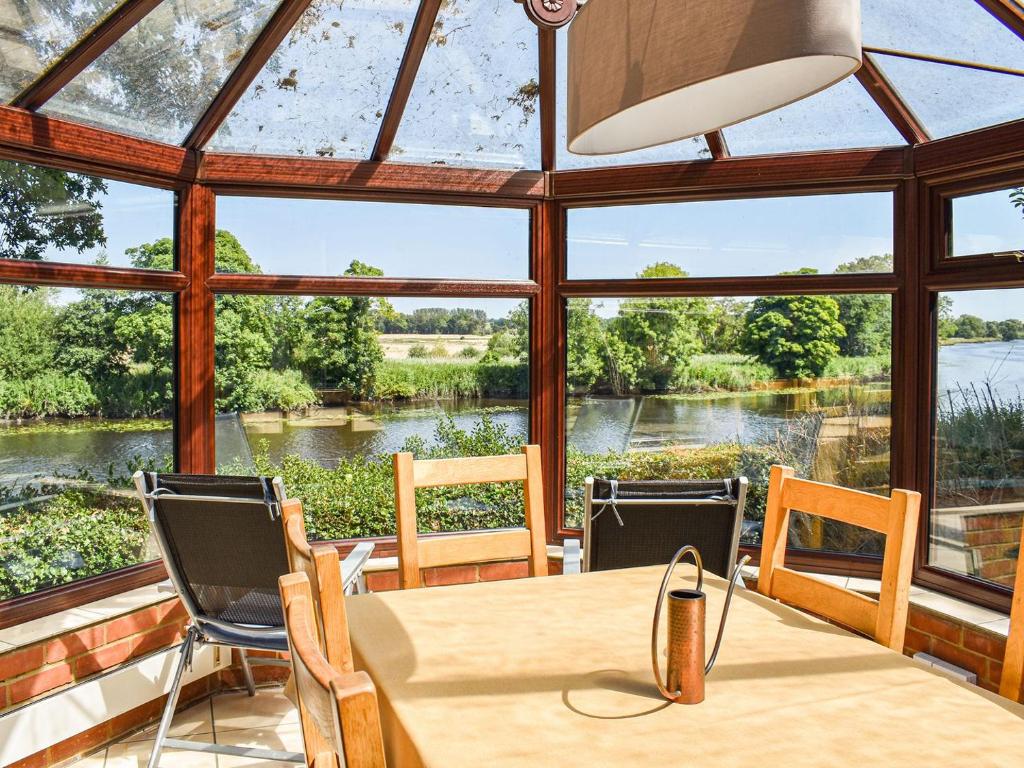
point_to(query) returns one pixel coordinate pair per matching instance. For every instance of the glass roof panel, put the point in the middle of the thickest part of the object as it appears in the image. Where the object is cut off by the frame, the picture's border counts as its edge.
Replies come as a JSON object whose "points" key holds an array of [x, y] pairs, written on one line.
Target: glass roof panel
{"points": [[842, 117], [325, 89], [949, 100], [475, 100], [37, 32], [957, 29], [688, 149], [157, 80]]}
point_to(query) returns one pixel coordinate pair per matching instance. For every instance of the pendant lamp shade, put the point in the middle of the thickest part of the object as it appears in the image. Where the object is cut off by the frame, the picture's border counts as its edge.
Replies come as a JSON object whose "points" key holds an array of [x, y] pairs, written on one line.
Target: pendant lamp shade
{"points": [[647, 72]]}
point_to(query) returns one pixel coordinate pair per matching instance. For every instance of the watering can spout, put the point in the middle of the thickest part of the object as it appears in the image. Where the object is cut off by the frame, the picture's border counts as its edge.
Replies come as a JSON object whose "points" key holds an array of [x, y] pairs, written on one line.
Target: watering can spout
{"points": [[686, 631]]}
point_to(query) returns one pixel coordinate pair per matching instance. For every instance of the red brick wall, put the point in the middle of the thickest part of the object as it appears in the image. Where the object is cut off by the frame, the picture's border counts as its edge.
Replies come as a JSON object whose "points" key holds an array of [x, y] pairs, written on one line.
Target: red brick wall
{"points": [[995, 537], [965, 645]]}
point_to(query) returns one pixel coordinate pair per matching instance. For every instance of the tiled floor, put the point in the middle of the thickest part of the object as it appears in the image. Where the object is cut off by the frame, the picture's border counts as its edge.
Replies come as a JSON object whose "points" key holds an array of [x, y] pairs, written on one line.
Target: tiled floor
{"points": [[268, 721]]}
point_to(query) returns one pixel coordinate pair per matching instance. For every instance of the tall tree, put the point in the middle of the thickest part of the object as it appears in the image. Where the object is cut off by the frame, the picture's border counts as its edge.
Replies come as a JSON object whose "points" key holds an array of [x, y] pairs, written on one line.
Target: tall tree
{"points": [[584, 349], [867, 317]]}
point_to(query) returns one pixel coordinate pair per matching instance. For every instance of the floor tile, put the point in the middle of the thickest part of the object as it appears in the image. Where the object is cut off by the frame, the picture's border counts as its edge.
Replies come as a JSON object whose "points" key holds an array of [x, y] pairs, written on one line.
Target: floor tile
{"points": [[286, 737], [267, 709], [46, 627], [194, 721], [135, 754]]}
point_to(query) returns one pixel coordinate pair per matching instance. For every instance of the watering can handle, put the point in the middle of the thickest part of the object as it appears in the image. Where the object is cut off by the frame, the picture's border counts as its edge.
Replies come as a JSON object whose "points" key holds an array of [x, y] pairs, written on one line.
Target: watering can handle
{"points": [[736, 575]]}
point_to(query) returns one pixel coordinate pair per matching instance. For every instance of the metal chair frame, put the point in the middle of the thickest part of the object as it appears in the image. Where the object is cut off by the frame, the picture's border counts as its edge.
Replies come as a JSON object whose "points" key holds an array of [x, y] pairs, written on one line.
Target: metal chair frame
{"points": [[244, 637]]}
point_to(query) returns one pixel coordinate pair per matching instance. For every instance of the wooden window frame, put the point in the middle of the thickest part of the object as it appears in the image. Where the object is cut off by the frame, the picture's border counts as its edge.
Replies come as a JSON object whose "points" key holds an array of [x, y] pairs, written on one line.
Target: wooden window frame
{"points": [[916, 174]]}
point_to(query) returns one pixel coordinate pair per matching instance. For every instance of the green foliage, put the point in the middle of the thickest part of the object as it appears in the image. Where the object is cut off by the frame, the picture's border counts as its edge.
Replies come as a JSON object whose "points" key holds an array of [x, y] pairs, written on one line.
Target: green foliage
{"points": [[437, 320], [867, 317], [75, 534], [419, 351], [469, 353], [438, 350], [26, 332], [43, 208], [718, 373], [47, 393], [859, 367], [796, 335], [1011, 330], [408, 379], [970, 327], [264, 390], [584, 345]]}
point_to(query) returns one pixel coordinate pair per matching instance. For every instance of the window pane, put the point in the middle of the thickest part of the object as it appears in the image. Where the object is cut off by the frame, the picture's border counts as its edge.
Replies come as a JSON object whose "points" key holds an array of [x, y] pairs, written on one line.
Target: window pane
{"points": [[323, 390], [677, 388], [37, 33], [760, 236], [979, 439], [688, 149], [51, 215], [842, 117], [938, 94], [158, 79], [85, 399], [324, 90], [992, 222], [324, 237], [475, 101]]}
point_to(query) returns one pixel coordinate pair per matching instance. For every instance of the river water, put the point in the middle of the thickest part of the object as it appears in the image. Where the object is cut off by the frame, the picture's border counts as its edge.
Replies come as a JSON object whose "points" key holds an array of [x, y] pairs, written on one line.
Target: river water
{"points": [[594, 424]]}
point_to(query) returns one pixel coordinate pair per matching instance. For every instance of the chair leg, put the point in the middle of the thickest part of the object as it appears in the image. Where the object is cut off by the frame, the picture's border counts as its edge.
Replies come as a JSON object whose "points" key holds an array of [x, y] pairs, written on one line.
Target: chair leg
{"points": [[247, 672], [185, 658]]}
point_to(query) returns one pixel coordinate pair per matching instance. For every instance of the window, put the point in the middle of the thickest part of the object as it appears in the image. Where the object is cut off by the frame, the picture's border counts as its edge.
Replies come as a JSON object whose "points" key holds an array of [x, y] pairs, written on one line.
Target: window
{"points": [[718, 238], [86, 398], [986, 223], [978, 503], [707, 387], [328, 237], [52, 215], [322, 390]]}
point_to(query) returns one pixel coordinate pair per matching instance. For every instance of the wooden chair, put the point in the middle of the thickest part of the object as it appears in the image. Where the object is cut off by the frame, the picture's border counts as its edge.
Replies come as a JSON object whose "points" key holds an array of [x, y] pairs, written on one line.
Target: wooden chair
{"points": [[896, 517], [339, 710], [1012, 683], [506, 544]]}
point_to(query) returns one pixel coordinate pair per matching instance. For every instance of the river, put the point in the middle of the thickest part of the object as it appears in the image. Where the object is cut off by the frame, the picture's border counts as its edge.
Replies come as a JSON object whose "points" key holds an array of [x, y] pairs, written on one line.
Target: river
{"points": [[595, 424]]}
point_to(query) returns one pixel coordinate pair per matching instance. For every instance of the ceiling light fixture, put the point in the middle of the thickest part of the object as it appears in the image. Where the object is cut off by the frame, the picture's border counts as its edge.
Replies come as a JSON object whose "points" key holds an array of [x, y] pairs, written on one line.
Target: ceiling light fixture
{"points": [[648, 72]]}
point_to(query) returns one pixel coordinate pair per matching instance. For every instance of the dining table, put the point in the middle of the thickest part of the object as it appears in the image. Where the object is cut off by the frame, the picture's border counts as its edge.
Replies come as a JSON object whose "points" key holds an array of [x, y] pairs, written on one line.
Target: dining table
{"points": [[557, 671]]}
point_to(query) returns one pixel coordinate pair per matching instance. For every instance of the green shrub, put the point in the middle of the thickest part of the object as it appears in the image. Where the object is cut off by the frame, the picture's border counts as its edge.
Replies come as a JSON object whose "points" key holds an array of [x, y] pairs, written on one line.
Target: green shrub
{"points": [[408, 379], [438, 350], [265, 390], [470, 353], [47, 394], [419, 351], [76, 534]]}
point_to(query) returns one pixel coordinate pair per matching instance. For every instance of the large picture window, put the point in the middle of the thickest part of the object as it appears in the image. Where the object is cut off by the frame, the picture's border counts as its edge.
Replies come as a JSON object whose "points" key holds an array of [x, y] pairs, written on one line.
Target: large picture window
{"points": [[978, 505], [86, 398], [678, 388]]}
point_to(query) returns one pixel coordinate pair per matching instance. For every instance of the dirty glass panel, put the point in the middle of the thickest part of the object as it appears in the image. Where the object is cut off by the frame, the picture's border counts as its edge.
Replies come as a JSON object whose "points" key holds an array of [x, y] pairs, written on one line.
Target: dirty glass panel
{"points": [[322, 390], [396, 239], [719, 238], [841, 117], [975, 526], [38, 32], [86, 398], [957, 29], [950, 100], [475, 102], [52, 215], [325, 89], [688, 149], [988, 223], [700, 388], [157, 80]]}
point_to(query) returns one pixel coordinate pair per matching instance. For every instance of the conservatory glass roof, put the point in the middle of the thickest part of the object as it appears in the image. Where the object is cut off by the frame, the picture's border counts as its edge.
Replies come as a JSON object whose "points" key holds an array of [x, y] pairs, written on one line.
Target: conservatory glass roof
{"points": [[457, 82]]}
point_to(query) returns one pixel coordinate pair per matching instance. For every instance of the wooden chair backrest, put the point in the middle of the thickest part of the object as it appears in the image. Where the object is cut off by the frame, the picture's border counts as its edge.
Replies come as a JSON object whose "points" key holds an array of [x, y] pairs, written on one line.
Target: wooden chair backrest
{"points": [[510, 544], [322, 567], [895, 517], [1012, 683], [342, 708]]}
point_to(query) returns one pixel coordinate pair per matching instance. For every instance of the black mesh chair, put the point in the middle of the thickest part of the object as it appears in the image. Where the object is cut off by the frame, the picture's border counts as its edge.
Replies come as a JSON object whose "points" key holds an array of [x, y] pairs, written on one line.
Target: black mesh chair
{"points": [[223, 545], [631, 523]]}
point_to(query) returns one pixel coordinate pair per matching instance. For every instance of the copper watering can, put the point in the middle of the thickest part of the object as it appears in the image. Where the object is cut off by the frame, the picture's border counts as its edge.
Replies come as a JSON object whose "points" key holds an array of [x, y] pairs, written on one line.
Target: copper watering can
{"points": [[687, 610]]}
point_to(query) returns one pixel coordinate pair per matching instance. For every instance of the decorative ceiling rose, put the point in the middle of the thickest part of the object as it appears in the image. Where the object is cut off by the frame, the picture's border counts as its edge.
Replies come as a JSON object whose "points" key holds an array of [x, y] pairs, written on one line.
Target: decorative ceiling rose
{"points": [[550, 13], [648, 72]]}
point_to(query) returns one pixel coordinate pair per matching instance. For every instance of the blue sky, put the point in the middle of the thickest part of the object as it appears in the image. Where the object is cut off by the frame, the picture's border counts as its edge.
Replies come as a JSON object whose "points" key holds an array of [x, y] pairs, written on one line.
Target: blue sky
{"points": [[717, 238]]}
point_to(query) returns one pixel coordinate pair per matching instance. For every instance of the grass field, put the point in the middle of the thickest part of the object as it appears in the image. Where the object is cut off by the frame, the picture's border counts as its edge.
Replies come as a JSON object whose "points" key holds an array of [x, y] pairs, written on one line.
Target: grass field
{"points": [[396, 346]]}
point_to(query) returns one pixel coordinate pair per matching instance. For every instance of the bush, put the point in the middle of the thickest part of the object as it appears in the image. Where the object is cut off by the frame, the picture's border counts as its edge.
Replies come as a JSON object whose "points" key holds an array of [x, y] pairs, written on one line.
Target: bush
{"points": [[439, 350], [78, 533], [265, 390], [47, 394], [419, 351], [470, 353], [406, 379]]}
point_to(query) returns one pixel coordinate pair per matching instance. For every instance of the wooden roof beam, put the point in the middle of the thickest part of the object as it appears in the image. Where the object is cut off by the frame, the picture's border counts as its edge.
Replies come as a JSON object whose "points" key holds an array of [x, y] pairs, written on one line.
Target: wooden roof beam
{"points": [[84, 52], [716, 143], [1008, 12], [272, 35], [419, 38], [888, 100], [548, 85]]}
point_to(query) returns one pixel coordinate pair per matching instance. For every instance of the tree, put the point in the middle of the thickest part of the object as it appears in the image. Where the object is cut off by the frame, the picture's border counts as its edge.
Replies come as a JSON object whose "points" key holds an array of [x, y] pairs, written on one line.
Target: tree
{"points": [[658, 336], [970, 327], [867, 317], [1011, 330], [795, 335], [345, 352], [946, 324], [721, 333], [42, 208], [584, 346], [513, 338], [27, 322]]}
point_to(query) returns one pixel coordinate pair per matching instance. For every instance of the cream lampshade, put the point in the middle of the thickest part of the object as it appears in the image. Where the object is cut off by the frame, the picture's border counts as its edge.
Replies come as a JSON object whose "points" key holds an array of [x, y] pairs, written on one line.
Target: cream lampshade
{"points": [[647, 72]]}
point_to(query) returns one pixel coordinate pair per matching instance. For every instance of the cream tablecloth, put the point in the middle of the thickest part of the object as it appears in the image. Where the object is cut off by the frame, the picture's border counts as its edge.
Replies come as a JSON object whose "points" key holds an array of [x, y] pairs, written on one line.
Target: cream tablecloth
{"points": [[556, 672]]}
